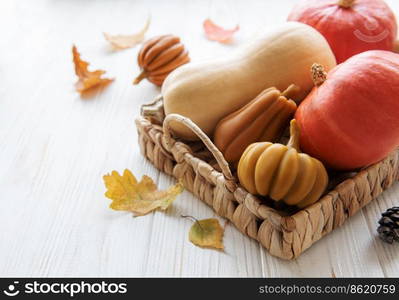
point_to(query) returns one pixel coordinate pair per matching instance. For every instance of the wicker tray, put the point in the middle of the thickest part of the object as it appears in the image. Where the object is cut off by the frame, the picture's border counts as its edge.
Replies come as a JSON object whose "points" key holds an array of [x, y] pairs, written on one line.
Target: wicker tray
{"points": [[284, 233]]}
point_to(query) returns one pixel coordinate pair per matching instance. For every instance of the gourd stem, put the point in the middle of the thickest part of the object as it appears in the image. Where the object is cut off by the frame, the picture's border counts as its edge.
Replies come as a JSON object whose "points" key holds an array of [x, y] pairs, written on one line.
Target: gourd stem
{"points": [[295, 133], [139, 78], [346, 3], [291, 92], [318, 74]]}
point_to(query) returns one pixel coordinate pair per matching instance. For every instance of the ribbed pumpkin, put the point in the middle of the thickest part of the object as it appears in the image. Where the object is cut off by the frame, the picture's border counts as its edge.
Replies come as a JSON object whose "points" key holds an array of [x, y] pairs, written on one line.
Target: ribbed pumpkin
{"points": [[350, 26], [159, 56], [263, 119], [282, 172]]}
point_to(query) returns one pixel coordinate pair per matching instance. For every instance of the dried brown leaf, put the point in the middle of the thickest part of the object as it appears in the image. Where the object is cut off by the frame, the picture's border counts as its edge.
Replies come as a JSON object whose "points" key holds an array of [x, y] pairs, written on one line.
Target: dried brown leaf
{"points": [[216, 33], [87, 79], [120, 41]]}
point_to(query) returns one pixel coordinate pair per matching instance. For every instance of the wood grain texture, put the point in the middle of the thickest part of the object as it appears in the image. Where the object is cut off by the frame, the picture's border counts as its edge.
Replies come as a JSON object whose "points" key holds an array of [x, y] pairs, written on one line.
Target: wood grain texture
{"points": [[55, 147]]}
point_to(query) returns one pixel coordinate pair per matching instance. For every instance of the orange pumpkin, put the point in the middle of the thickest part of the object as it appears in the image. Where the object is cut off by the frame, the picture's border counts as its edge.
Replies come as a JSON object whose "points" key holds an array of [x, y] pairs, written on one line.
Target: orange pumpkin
{"points": [[351, 119], [159, 56], [349, 26]]}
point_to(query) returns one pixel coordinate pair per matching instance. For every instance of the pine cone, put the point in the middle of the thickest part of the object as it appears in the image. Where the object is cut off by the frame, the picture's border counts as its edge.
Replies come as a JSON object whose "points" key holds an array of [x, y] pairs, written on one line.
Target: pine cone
{"points": [[389, 225]]}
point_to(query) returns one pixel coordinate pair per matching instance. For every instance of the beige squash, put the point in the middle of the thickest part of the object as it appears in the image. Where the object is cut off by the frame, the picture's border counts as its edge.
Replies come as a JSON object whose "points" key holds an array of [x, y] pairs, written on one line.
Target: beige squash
{"points": [[208, 91]]}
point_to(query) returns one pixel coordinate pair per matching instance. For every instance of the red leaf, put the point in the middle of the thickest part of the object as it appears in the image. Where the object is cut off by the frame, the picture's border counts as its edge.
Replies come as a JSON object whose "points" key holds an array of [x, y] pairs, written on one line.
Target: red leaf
{"points": [[216, 33]]}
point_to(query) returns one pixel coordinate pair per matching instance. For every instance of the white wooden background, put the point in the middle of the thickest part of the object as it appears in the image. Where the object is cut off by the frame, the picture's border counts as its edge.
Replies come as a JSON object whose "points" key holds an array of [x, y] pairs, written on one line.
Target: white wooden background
{"points": [[55, 147]]}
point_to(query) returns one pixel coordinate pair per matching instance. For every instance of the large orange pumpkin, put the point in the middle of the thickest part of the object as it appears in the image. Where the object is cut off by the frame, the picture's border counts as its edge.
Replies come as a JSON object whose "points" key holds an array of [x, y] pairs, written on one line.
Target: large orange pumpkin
{"points": [[351, 119], [349, 26]]}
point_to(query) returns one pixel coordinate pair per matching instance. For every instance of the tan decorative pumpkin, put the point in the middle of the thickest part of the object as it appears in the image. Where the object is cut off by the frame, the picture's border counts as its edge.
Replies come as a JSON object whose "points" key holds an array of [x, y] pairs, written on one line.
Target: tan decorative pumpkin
{"points": [[282, 172], [208, 91], [263, 119], [159, 56]]}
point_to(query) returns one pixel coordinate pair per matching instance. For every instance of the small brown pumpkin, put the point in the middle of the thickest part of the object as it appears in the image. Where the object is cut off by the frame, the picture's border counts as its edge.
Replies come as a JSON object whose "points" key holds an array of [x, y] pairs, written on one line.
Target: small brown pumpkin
{"points": [[159, 56], [261, 120], [282, 172]]}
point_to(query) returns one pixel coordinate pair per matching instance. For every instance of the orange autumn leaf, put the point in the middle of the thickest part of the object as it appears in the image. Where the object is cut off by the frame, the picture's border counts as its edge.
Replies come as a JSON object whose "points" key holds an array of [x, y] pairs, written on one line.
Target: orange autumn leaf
{"points": [[216, 33], [139, 197], [121, 41], [87, 79]]}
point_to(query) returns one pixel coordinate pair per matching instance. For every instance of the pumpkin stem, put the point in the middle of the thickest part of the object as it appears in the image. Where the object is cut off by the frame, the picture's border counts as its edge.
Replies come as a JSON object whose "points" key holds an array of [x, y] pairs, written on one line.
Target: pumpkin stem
{"points": [[346, 3], [295, 133], [291, 91], [139, 78], [318, 74]]}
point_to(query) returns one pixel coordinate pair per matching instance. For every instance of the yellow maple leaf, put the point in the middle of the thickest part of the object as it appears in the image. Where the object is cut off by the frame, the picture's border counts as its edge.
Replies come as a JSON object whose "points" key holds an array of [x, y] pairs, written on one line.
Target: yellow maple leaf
{"points": [[140, 198], [207, 233]]}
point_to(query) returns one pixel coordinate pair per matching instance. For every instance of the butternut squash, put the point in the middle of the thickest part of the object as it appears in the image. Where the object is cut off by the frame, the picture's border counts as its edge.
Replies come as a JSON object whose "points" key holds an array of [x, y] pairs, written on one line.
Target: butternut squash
{"points": [[208, 91]]}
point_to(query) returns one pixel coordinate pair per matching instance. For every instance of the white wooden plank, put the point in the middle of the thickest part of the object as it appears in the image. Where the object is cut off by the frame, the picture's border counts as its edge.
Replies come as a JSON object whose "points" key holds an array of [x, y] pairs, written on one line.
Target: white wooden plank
{"points": [[178, 257]]}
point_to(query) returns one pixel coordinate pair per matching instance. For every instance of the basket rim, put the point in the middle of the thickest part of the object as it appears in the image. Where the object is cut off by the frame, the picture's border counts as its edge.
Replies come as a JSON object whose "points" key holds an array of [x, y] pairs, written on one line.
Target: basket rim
{"points": [[284, 236], [286, 220]]}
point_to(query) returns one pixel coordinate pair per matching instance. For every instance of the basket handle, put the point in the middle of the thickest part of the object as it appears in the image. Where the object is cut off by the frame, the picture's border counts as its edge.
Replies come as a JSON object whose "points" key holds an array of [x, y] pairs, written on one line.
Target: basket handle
{"points": [[154, 110], [223, 164]]}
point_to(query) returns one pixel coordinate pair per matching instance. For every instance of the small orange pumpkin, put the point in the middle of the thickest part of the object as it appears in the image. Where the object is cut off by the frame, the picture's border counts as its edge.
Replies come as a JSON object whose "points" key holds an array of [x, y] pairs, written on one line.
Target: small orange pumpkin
{"points": [[159, 56]]}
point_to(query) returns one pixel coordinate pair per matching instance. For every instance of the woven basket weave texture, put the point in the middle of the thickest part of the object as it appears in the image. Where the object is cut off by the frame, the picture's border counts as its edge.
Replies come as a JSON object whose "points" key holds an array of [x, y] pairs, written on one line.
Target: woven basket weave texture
{"points": [[283, 235]]}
